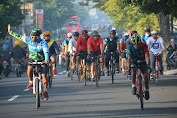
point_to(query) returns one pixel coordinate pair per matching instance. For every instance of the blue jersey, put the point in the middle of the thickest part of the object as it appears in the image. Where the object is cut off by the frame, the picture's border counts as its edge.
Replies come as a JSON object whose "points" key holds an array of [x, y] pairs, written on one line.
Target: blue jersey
{"points": [[144, 38], [38, 50]]}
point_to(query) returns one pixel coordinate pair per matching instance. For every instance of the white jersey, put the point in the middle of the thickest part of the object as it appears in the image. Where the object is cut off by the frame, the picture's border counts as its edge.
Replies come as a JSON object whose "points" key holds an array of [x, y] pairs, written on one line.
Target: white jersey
{"points": [[156, 48], [72, 45]]}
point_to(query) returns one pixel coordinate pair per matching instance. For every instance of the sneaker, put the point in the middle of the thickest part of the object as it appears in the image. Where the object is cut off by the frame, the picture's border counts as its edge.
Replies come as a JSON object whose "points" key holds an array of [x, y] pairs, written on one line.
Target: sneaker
{"points": [[134, 90], [67, 74], [93, 79], [45, 96], [123, 72], [161, 72], [117, 71], [147, 95], [129, 77], [102, 73], [30, 86], [107, 73], [74, 67], [54, 71], [152, 76]]}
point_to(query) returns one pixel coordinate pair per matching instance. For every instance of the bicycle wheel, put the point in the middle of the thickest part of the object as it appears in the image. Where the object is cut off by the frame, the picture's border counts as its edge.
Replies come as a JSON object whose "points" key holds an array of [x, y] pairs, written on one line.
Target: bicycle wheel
{"points": [[37, 94], [125, 63], [112, 71], [85, 74], [157, 78], [97, 77], [141, 93]]}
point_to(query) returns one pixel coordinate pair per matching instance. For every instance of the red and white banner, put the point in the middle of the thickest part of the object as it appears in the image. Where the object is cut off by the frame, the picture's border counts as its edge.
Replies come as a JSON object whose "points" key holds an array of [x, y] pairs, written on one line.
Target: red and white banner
{"points": [[39, 18]]}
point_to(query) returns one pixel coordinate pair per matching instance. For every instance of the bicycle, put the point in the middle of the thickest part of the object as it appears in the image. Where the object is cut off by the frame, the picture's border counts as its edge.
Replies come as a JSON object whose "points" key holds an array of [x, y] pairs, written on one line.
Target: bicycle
{"points": [[85, 69], [156, 71], [139, 86], [37, 88], [97, 70], [112, 66], [50, 74]]}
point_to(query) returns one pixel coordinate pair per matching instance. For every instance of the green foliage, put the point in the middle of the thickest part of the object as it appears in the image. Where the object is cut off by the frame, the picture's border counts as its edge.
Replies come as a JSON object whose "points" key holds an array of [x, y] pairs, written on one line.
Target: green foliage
{"points": [[10, 13]]}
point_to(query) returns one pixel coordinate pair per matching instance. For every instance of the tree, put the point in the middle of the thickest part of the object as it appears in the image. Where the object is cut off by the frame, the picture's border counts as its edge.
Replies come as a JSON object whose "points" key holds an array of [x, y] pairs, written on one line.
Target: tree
{"points": [[10, 14]]}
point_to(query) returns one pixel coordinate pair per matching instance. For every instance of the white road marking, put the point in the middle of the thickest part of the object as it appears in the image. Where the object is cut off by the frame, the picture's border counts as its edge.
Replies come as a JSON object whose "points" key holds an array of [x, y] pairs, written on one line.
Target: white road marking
{"points": [[62, 72], [26, 89], [13, 98]]}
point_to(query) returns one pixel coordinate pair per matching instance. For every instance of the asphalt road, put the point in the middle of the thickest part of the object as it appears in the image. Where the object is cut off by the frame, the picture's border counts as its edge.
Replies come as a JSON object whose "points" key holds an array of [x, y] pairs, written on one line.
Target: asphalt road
{"points": [[71, 99]]}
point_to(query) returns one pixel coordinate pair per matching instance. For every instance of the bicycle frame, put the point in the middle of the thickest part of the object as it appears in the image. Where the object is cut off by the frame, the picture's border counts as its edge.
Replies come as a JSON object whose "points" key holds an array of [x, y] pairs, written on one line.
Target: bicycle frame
{"points": [[139, 79], [97, 70], [112, 66]]}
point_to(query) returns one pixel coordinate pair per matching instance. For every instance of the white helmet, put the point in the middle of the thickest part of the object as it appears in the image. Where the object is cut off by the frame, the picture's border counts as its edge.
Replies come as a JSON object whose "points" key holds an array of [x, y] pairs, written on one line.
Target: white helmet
{"points": [[153, 31], [69, 35]]}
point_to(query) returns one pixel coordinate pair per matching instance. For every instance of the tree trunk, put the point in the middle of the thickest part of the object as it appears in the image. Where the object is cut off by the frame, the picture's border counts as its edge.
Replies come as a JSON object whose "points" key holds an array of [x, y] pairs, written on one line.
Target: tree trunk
{"points": [[164, 27]]}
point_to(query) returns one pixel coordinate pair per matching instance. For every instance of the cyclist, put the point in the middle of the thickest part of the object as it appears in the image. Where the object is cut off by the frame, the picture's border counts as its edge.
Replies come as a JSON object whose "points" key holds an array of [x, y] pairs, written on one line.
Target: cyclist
{"points": [[52, 47], [72, 48], [95, 48], [155, 45], [81, 49], [112, 44], [171, 48], [146, 34], [138, 51], [67, 56], [38, 49], [129, 42], [18, 52], [123, 48]]}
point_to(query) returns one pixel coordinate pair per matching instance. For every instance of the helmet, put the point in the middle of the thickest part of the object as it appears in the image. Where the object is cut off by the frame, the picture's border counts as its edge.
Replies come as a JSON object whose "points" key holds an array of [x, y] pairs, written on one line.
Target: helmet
{"points": [[36, 32], [94, 33], [125, 37], [113, 32], [75, 34], [5, 48], [136, 40], [133, 32], [46, 33], [69, 35], [17, 43], [153, 31], [84, 32], [129, 31], [147, 29]]}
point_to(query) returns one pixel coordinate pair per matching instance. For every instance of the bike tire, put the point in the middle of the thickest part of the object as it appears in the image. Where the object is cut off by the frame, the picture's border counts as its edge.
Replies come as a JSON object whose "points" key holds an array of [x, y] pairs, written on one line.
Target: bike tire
{"points": [[157, 78], [71, 73], [112, 72], [96, 76], [141, 93], [37, 94], [85, 74]]}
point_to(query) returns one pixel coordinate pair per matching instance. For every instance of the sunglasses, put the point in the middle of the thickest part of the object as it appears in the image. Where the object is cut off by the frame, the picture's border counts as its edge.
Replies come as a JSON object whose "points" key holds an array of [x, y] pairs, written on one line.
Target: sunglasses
{"points": [[34, 36]]}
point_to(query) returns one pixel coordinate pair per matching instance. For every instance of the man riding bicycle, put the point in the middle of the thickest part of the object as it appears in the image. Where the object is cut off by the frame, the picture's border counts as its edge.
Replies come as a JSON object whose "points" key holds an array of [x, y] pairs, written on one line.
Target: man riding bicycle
{"points": [[155, 45], [52, 47], [95, 48], [39, 52], [146, 35], [67, 56], [112, 44], [138, 51], [81, 49], [72, 48]]}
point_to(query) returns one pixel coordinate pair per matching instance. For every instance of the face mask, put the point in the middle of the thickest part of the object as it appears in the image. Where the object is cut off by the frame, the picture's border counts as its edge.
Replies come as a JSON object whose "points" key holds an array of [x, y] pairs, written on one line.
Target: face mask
{"points": [[147, 34]]}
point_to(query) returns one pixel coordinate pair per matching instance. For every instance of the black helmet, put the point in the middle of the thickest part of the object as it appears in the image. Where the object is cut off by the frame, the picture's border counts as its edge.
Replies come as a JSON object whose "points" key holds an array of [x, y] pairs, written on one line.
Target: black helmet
{"points": [[36, 32], [113, 32], [76, 34], [147, 29], [94, 33]]}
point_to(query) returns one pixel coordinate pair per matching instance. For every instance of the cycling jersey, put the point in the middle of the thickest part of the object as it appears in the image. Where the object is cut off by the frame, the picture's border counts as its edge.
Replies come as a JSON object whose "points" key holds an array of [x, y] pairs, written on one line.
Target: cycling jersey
{"points": [[137, 54], [123, 45], [38, 50], [81, 44], [156, 47], [66, 44], [144, 38], [72, 45], [95, 45], [52, 47], [111, 44]]}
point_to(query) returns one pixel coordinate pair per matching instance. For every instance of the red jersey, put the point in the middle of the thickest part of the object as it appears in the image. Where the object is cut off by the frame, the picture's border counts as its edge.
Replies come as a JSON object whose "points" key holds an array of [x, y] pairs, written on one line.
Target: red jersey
{"points": [[95, 45], [81, 44], [123, 45]]}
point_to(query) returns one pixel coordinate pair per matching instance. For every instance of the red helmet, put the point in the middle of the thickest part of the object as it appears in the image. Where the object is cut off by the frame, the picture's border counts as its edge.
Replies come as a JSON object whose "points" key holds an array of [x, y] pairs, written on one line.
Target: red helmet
{"points": [[84, 32]]}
